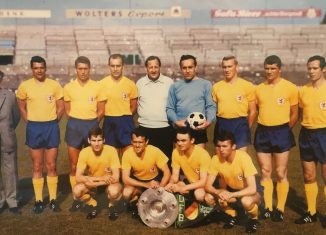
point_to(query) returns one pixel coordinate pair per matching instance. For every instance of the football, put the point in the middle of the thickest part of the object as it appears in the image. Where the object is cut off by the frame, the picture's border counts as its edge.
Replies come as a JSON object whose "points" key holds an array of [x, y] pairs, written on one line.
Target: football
{"points": [[195, 119]]}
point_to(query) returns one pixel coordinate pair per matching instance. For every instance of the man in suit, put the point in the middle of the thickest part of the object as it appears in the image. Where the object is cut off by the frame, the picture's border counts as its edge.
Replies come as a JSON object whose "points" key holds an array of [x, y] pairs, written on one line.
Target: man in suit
{"points": [[9, 118]]}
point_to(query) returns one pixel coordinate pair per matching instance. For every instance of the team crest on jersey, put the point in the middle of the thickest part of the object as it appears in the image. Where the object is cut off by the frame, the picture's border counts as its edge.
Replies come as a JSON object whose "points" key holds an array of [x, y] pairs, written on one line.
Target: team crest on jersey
{"points": [[91, 99], [124, 96], [50, 98], [197, 170], [280, 101], [322, 105], [153, 169], [240, 177], [239, 98]]}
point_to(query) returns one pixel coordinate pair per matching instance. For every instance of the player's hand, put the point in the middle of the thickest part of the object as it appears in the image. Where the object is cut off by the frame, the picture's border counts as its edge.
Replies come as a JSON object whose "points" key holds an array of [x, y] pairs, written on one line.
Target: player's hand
{"points": [[225, 195], [169, 187], [154, 184], [203, 126], [180, 123], [91, 182]]}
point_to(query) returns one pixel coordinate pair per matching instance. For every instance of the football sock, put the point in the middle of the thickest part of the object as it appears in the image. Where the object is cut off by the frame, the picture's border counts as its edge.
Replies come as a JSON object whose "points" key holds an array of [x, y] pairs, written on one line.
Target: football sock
{"points": [[86, 197], [38, 188], [52, 182], [282, 189], [253, 212], [72, 180], [92, 202], [311, 195], [268, 193], [230, 211]]}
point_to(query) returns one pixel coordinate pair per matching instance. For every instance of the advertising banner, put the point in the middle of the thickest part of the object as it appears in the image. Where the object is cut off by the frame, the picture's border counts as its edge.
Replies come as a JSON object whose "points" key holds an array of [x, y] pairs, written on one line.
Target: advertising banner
{"points": [[21, 13]]}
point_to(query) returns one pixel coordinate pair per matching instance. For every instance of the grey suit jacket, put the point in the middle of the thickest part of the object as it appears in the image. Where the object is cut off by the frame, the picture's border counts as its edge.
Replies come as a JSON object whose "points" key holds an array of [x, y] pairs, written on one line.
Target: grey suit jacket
{"points": [[9, 119]]}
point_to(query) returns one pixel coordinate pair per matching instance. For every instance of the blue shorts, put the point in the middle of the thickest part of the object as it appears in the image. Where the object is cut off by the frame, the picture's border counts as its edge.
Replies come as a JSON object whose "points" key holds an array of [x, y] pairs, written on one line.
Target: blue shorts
{"points": [[312, 143], [77, 132], [273, 139], [42, 134], [117, 130], [238, 126]]}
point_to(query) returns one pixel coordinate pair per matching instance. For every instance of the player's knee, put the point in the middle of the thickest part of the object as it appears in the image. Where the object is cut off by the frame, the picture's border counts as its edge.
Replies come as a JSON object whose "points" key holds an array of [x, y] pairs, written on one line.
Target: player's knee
{"points": [[266, 172], [209, 199], [199, 195], [126, 193], [114, 193], [51, 167], [78, 190], [309, 177], [38, 167], [281, 173], [246, 202], [73, 168]]}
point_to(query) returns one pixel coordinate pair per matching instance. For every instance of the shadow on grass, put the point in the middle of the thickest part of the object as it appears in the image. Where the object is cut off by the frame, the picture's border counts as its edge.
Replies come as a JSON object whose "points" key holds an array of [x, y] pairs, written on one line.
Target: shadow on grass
{"points": [[295, 202]]}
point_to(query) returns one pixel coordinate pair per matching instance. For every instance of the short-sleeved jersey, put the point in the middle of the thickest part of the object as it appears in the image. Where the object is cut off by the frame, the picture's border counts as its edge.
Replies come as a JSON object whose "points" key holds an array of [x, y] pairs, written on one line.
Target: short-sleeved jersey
{"points": [[83, 99], [147, 167], [274, 102], [98, 165], [235, 172], [191, 166], [233, 98], [117, 95], [313, 104], [40, 98]]}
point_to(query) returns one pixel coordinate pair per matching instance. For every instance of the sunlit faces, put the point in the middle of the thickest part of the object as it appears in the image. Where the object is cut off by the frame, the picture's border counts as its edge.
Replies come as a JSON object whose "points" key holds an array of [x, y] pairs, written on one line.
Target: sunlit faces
{"points": [[82, 71], [139, 144], [229, 68], [314, 71], [116, 68], [96, 143], [273, 72], [224, 148], [38, 71], [188, 69], [153, 69], [184, 142]]}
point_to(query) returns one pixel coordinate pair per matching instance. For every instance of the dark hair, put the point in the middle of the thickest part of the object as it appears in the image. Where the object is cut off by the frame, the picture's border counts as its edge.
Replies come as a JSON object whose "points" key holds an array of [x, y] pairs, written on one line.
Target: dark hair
{"points": [[273, 59], [187, 57], [185, 130], [116, 56], [38, 59], [224, 136], [139, 132], [82, 60], [153, 57], [321, 60], [95, 131], [1, 75], [230, 57]]}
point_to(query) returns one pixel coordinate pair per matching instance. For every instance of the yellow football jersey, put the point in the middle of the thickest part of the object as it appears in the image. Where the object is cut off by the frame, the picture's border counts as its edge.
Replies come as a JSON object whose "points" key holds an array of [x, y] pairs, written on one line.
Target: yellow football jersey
{"points": [[98, 165], [146, 168], [198, 162], [40, 98], [233, 173], [233, 99]]}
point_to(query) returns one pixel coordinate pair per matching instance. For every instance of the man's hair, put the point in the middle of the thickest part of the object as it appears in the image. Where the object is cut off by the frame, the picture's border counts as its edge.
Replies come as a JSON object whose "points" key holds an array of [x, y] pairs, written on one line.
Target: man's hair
{"points": [[116, 56], [224, 136], [139, 132], [187, 57], [230, 57], [38, 59], [1, 75], [95, 131], [185, 130], [153, 57], [82, 60], [273, 59], [321, 60]]}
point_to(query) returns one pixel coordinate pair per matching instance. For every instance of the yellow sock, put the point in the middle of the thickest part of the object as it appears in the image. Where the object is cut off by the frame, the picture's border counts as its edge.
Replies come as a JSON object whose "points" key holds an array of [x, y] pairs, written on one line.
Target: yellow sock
{"points": [[325, 190], [72, 180], [230, 211], [52, 182], [311, 195], [38, 188], [85, 197], [282, 189], [268, 193], [253, 212], [92, 202]]}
